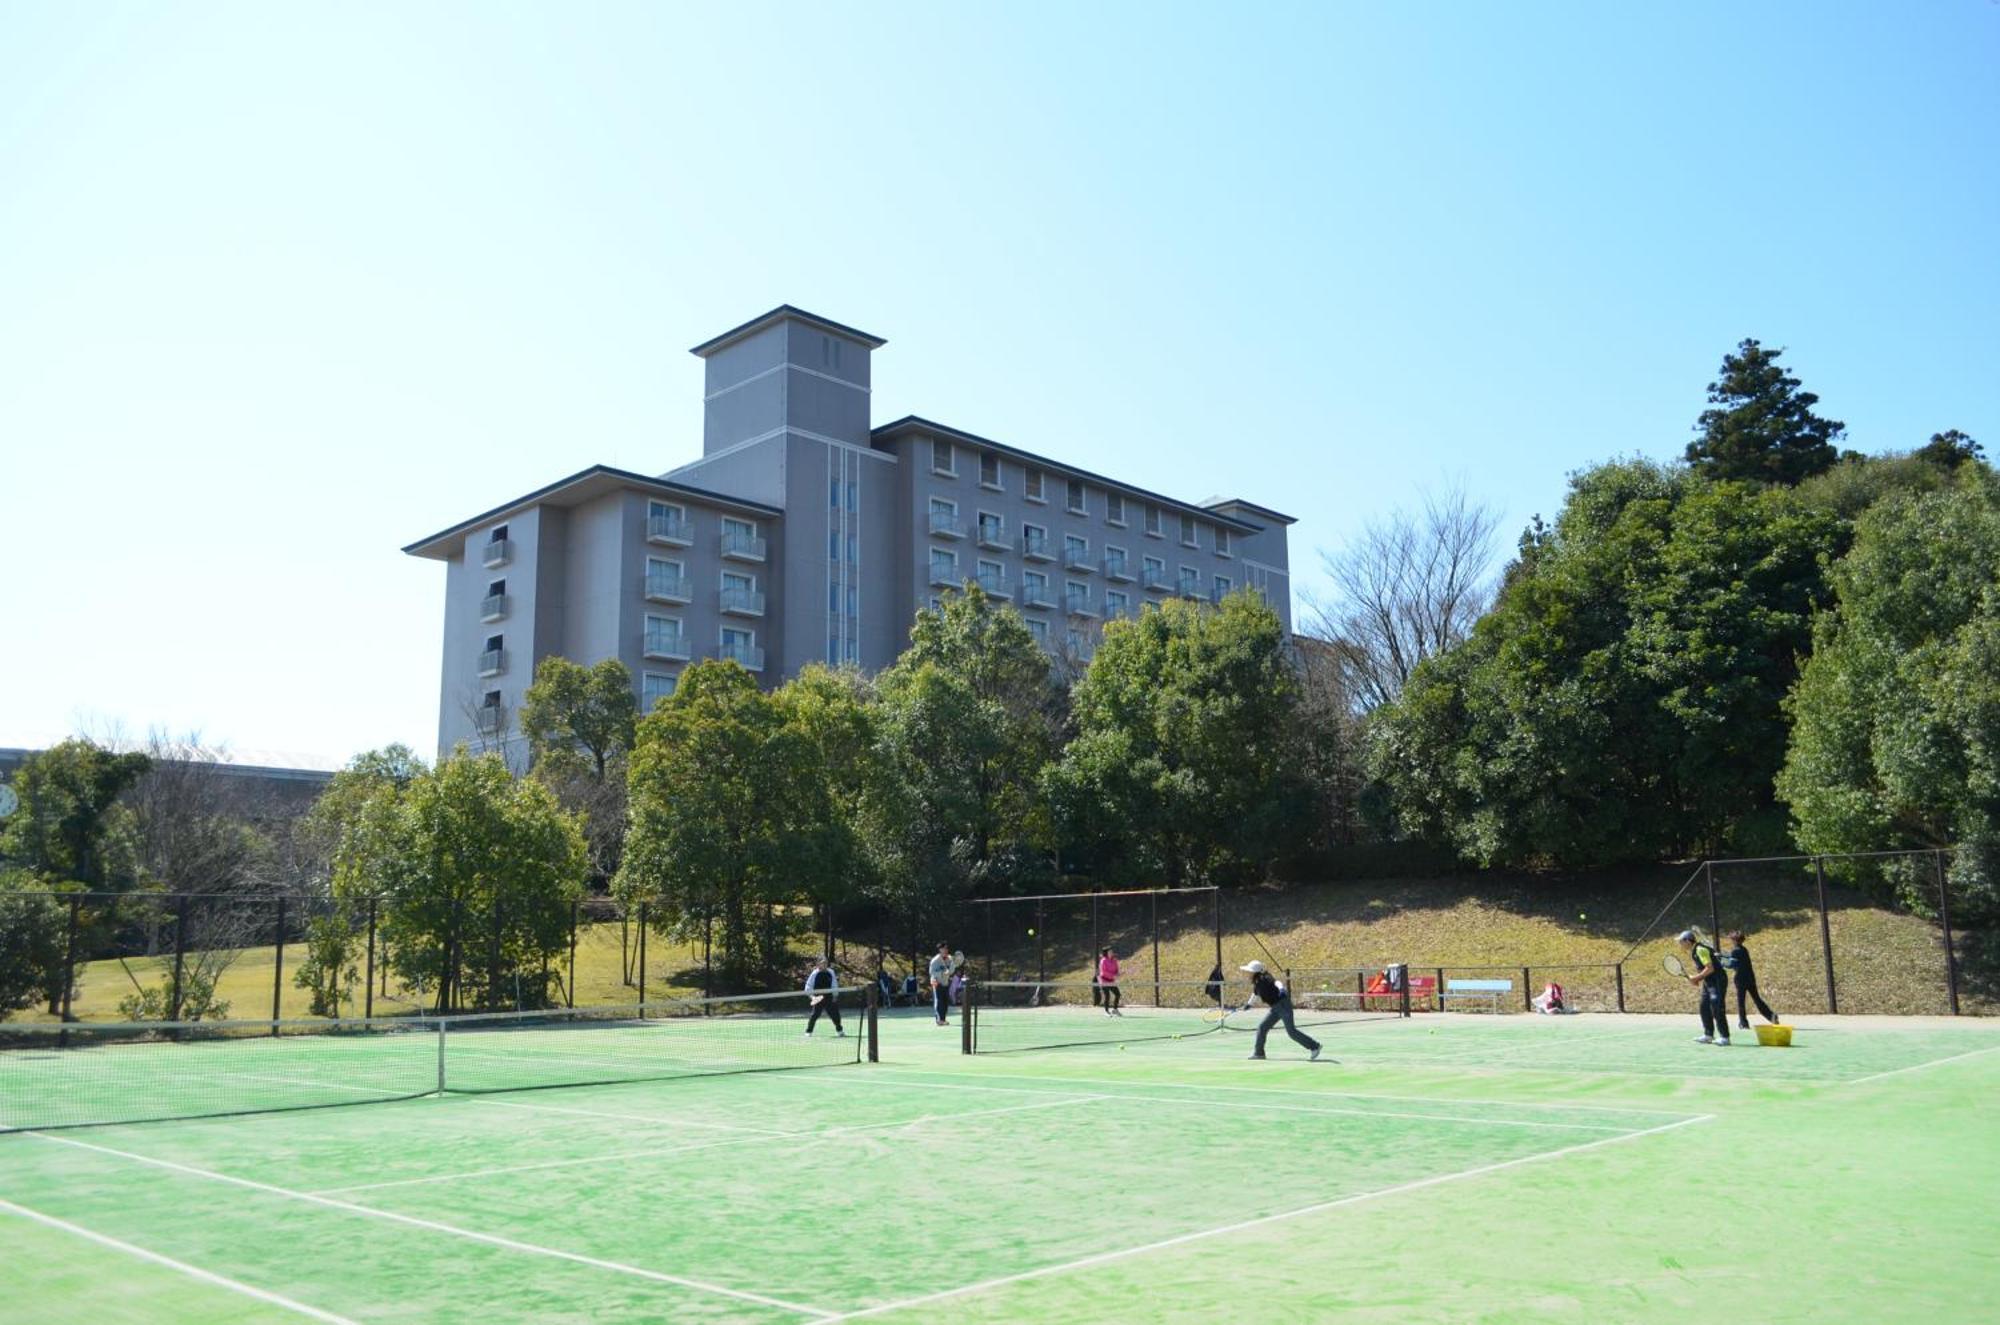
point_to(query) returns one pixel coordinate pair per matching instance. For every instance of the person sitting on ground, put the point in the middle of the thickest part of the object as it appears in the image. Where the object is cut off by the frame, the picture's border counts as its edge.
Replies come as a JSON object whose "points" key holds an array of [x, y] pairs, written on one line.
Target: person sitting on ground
{"points": [[1550, 1001]]}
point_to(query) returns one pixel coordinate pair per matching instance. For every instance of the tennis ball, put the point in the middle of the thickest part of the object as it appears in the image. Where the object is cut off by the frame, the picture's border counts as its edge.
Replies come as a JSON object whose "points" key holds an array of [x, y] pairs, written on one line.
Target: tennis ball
{"points": [[1581, 916], [1031, 933], [1121, 1048]]}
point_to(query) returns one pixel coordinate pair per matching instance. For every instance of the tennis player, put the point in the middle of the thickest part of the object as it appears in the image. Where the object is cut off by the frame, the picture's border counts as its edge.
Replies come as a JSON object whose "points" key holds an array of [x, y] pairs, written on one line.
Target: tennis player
{"points": [[823, 992], [940, 973], [1276, 997], [1710, 978], [1107, 980], [1737, 959]]}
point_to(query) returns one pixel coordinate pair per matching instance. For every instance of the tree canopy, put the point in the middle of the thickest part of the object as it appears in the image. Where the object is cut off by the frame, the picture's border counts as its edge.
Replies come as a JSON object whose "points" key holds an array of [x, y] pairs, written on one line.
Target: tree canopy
{"points": [[1760, 427]]}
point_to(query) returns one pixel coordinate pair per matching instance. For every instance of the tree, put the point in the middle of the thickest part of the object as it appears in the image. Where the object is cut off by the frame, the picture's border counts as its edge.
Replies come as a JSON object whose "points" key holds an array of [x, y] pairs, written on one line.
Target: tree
{"points": [[589, 711], [1896, 718], [195, 820], [1180, 762], [70, 824], [728, 807], [1949, 449], [1409, 587], [31, 943], [1760, 427]]}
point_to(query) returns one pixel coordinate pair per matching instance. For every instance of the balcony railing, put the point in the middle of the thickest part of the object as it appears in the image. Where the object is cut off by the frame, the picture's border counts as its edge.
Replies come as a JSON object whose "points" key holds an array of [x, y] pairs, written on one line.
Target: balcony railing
{"points": [[493, 662], [944, 524], [1035, 547], [1189, 589], [1036, 595], [1117, 568], [493, 607], [1158, 581], [674, 529], [669, 588], [743, 602], [996, 585], [749, 656], [744, 546], [1078, 602], [489, 719], [945, 577], [666, 644], [1078, 559], [497, 553], [993, 535]]}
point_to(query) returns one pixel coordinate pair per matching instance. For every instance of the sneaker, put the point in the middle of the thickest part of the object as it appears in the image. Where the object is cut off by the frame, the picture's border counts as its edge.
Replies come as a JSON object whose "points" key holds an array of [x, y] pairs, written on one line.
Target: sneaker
{"points": [[1704, 1039], [840, 1035], [809, 1035], [1256, 1058], [1723, 1042], [1315, 1054], [1742, 1025]]}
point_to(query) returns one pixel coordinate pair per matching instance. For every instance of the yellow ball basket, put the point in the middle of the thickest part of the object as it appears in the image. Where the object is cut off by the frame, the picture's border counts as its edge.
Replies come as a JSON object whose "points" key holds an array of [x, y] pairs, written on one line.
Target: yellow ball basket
{"points": [[1776, 1037]]}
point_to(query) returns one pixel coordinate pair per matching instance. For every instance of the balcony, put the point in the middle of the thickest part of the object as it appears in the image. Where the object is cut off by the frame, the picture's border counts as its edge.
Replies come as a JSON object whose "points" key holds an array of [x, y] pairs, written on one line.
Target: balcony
{"points": [[993, 535], [1078, 603], [743, 545], [1036, 595], [1035, 547], [497, 553], [674, 529], [996, 586], [493, 607], [669, 644], [944, 524], [945, 577], [748, 656], [1117, 568], [1157, 581], [669, 588], [489, 719], [493, 662], [1190, 588], [743, 602], [1078, 559]]}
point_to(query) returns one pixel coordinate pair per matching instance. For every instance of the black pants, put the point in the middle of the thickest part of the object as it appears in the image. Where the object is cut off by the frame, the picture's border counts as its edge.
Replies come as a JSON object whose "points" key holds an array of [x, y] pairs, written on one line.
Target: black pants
{"points": [[941, 1000], [1111, 995], [1715, 1010], [1749, 991], [831, 1009], [1282, 1012]]}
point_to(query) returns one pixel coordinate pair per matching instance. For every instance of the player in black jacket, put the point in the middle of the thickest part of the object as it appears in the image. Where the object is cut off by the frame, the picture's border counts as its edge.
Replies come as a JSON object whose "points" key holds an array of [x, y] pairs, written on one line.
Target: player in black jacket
{"points": [[1737, 959], [1266, 987], [823, 991]]}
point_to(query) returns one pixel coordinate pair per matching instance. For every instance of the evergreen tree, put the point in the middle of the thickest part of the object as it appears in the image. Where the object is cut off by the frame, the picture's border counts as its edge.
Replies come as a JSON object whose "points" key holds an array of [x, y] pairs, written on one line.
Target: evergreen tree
{"points": [[1760, 427]]}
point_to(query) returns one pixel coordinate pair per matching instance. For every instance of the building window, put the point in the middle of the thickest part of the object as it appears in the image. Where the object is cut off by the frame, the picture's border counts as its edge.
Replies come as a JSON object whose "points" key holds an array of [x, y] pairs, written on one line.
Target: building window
{"points": [[943, 461], [992, 530], [499, 534], [1114, 509], [1034, 587], [989, 470], [739, 539], [1116, 562], [1153, 521], [666, 522], [833, 492], [944, 518], [833, 545], [491, 700], [944, 568], [853, 496], [664, 638], [654, 687], [1156, 573], [1034, 541], [1039, 629], [1190, 581], [1116, 603], [1222, 587], [1077, 503], [1221, 541], [1033, 485], [1187, 532], [665, 579], [993, 578], [1076, 550]]}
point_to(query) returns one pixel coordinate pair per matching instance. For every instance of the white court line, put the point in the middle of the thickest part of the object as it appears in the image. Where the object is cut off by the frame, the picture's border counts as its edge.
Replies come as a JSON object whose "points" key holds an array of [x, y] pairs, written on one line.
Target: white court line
{"points": [[658, 1151], [1259, 1222], [192, 1271], [1246, 1090], [628, 1117], [490, 1239], [1918, 1067]]}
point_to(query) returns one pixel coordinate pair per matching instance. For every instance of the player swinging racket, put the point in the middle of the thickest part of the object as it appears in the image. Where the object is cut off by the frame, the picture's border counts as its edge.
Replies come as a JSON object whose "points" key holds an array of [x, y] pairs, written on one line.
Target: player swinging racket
{"points": [[1107, 981], [823, 992], [1267, 987], [1709, 977]]}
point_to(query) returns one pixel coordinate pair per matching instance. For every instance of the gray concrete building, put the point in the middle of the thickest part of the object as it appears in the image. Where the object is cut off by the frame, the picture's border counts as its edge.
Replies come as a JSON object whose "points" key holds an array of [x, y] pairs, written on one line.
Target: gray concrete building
{"points": [[806, 533]]}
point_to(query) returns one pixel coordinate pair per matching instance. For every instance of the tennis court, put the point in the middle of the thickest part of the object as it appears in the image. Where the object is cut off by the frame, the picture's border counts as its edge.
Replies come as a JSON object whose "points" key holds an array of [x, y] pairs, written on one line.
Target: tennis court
{"points": [[1465, 1167]]}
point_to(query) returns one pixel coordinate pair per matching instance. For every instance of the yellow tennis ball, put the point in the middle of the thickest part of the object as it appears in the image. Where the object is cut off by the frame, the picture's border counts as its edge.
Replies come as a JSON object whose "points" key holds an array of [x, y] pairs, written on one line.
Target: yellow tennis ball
{"points": [[1581, 916], [1121, 1048], [1031, 933]]}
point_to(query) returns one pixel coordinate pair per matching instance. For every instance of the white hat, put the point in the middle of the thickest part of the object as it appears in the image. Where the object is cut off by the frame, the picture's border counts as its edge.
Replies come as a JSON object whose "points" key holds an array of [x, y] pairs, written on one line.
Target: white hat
{"points": [[1253, 966]]}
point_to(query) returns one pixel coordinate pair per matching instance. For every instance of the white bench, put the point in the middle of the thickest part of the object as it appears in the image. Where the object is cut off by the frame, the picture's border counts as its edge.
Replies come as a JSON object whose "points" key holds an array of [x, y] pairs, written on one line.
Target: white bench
{"points": [[1490, 990]]}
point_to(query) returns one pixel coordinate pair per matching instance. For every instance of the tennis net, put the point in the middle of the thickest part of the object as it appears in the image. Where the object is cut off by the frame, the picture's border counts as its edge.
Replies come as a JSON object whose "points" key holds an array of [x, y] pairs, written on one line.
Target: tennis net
{"points": [[1008, 1016], [82, 1074]]}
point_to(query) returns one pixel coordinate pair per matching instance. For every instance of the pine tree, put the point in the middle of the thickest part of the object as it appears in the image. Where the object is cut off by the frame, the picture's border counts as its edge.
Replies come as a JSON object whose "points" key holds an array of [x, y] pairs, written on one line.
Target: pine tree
{"points": [[1762, 428]]}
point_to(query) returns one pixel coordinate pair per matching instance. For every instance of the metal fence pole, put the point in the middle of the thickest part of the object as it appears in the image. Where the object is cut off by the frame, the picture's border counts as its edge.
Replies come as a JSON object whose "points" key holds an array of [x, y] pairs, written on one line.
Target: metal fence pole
{"points": [[1620, 969], [1714, 922], [570, 983], [1041, 946], [642, 962], [1153, 900], [180, 956], [493, 959], [1527, 995], [1944, 919], [69, 963], [278, 971], [1216, 900], [369, 982], [1825, 932]]}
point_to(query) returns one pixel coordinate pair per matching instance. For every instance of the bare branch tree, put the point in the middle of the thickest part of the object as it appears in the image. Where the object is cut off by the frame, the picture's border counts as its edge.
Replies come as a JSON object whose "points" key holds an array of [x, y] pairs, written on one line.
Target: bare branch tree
{"points": [[1408, 587]]}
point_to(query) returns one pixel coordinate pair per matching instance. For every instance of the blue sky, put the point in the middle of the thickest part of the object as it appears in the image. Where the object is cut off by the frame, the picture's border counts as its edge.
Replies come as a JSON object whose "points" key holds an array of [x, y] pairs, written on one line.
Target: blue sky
{"points": [[283, 288]]}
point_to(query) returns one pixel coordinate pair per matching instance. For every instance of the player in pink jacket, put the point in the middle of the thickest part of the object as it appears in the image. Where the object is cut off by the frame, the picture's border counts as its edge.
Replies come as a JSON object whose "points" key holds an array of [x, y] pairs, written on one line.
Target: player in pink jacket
{"points": [[1107, 981]]}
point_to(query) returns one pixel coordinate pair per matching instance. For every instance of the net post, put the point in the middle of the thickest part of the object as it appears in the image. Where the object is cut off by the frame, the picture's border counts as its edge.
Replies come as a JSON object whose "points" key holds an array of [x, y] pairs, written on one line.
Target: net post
{"points": [[1439, 987], [442, 1024], [1041, 945], [180, 956], [369, 980], [69, 959], [1825, 933], [873, 1018], [1619, 968], [642, 963], [1944, 920], [967, 1013], [1527, 998], [1406, 987], [1153, 901], [278, 972], [1215, 902], [569, 983]]}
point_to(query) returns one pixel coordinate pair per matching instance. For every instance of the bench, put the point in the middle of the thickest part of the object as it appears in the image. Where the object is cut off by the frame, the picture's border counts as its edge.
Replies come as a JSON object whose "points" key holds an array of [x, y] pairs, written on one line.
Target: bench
{"points": [[1490, 990], [1379, 995]]}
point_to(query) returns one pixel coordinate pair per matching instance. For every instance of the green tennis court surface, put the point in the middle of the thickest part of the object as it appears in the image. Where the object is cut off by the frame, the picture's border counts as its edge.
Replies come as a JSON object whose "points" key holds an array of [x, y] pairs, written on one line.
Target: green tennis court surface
{"points": [[1444, 1168]]}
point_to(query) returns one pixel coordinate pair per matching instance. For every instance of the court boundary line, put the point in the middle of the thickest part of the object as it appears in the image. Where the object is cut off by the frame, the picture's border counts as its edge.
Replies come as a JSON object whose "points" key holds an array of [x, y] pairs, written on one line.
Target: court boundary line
{"points": [[1918, 1067], [180, 1267], [1198, 1235], [628, 1117], [432, 1225]]}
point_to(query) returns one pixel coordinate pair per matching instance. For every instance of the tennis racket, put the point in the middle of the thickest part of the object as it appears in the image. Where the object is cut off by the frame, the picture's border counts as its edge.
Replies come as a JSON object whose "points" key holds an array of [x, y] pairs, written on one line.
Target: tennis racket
{"points": [[1216, 1016], [818, 999], [1674, 965], [957, 960]]}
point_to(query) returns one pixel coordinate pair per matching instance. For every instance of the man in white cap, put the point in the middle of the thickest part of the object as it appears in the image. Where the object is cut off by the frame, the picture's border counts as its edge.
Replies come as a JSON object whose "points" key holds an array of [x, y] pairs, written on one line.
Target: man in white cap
{"points": [[1268, 987]]}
